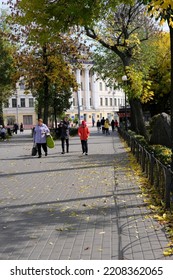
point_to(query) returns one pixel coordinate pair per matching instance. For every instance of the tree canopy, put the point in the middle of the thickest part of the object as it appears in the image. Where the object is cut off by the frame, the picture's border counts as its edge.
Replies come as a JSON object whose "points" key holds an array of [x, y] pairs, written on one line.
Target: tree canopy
{"points": [[7, 68]]}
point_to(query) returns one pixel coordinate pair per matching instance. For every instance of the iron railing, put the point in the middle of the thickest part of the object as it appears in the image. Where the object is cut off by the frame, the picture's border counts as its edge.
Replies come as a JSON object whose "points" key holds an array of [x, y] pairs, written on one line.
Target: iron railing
{"points": [[159, 175]]}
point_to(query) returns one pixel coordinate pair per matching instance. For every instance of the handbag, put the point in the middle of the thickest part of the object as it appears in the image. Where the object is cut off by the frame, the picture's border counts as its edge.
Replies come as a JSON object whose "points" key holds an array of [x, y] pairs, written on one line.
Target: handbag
{"points": [[34, 150], [50, 142]]}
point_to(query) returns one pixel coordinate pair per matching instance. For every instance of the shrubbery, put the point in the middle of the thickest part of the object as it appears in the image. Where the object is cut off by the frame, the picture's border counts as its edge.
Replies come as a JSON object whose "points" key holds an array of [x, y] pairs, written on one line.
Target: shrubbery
{"points": [[162, 153]]}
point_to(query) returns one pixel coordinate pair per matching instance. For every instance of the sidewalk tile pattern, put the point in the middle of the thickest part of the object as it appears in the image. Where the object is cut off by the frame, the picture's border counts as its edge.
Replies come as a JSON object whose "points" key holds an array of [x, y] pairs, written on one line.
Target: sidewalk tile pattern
{"points": [[73, 207]]}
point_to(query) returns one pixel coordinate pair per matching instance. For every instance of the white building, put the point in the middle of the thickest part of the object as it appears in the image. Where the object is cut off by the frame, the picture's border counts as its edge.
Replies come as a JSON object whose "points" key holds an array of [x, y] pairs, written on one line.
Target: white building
{"points": [[93, 100]]}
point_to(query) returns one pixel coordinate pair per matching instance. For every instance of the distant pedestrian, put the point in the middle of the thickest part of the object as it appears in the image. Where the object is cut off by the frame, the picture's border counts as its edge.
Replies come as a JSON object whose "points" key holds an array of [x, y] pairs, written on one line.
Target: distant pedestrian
{"points": [[98, 126], [106, 126], [116, 124], [93, 121], [113, 125], [102, 125], [39, 133], [83, 132], [21, 128], [15, 128], [64, 130], [3, 133]]}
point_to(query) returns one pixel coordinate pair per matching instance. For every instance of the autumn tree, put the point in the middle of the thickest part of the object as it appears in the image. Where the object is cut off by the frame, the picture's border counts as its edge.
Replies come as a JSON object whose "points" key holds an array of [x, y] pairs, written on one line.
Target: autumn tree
{"points": [[125, 27], [122, 30], [159, 73], [44, 62], [163, 10], [7, 69], [46, 72]]}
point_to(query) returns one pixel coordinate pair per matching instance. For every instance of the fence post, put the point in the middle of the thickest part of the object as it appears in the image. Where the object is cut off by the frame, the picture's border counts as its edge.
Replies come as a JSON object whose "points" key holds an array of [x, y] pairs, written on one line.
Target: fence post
{"points": [[152, 168], [169, 178]]}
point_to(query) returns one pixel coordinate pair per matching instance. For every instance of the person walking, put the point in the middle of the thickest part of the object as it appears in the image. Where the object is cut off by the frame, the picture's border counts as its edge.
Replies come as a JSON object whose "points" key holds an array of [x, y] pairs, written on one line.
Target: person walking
{"points": [[116, 124], [102, 125], [83, 132], [64, 130], [21, 128], [98, 125], [113, 125], [106, 126], [39, 135], [15, 128], [3, 133]]}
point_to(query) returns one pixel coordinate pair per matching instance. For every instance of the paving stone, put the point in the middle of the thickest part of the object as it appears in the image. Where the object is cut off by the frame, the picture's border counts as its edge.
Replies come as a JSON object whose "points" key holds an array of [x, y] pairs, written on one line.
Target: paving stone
{"points": [[71, 206]]}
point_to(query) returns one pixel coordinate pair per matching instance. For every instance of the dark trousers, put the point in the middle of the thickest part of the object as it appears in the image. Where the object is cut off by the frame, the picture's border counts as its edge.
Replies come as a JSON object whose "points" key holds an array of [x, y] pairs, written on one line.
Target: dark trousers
{"points": [[43, 145], [84, 144], [63, 140]]}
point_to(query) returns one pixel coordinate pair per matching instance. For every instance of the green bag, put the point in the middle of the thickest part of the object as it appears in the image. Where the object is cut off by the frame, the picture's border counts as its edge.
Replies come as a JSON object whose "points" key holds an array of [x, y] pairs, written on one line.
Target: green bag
{"points": [[50, 142]]}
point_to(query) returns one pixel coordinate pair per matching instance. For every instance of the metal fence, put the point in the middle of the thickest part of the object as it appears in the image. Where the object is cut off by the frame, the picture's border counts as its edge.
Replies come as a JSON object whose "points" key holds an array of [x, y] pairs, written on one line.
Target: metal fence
{"points": [[159, 175]]}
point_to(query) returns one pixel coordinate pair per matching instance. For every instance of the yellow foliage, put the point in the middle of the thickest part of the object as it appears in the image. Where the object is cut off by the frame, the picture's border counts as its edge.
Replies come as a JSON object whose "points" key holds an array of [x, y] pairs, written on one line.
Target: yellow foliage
{"points": [[161, 7], [139, 85]]}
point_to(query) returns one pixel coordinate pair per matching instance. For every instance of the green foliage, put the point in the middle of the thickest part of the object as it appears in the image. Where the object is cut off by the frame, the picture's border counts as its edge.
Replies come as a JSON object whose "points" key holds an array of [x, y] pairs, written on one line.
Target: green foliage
{"points": [[76, 120], [73, 131], [162, 153]]}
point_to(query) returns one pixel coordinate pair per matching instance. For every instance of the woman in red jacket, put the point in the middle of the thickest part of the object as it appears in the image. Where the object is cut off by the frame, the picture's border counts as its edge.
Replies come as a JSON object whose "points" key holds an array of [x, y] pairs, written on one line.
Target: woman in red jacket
{"points": [[84, 133]]}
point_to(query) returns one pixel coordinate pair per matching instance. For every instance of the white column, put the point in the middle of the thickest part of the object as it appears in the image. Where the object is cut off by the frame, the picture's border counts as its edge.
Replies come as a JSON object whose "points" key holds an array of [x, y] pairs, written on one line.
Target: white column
{"points": [[78, 79], [87, 95], [94, 88]]}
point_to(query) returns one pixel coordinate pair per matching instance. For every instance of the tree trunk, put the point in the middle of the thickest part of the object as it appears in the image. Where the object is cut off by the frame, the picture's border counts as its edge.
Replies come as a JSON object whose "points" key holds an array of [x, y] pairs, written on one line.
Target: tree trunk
{"points": [[171, 95], [1, 114], [46, 101], [45, 88], [137, 118], [55, 118]]}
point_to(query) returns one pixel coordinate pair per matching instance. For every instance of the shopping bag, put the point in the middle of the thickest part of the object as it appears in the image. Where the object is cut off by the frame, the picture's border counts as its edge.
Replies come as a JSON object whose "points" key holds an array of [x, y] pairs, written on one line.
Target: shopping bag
{"points": [[34, 150], [50, 142]]}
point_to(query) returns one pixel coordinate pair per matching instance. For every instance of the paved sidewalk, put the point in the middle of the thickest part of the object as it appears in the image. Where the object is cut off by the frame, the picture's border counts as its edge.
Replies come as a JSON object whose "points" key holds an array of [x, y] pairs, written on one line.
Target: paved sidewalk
{"points": [[72, 206]]}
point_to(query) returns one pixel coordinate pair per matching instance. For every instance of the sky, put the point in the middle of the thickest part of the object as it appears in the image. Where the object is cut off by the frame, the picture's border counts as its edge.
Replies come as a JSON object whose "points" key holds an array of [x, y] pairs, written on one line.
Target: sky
{"points": [[2, 1]]}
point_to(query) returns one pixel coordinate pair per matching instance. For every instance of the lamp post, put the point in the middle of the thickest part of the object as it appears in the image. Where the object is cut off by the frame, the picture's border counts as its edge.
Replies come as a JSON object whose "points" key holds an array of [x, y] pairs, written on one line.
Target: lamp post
{"points": [[17, 108], [124, 79], [78, 106]]}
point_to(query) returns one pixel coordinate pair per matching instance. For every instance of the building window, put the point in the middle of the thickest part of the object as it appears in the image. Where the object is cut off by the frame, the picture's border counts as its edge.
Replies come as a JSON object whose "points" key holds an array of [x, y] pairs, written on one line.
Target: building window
{"points": [[90, 86], [118, 102], [31, 102], [10, 120], [14, 102], [115, 102], [101, 101], [101, 88], [82, 101], [90, 102], [81, 72], [110, 101], [22, 102], [106, 101], [27, 120], [106, 88], [81, 86]]}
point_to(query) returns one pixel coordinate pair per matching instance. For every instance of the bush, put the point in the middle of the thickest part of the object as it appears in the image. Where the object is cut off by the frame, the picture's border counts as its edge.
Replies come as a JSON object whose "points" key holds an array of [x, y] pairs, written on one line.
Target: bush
{"points": [[162, 153], [73, 131]]}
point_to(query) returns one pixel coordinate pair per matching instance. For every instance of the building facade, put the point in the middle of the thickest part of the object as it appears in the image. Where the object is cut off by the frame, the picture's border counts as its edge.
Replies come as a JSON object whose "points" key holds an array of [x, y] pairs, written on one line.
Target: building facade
{"points": [[20, 108], [93, 101]]}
